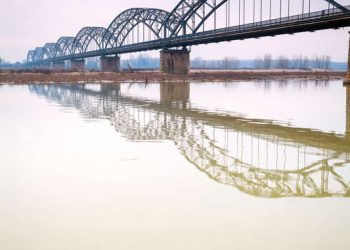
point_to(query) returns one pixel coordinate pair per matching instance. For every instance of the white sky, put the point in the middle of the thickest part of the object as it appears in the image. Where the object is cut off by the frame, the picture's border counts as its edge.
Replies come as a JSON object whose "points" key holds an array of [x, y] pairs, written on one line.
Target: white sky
{"points": [[26, 24]]}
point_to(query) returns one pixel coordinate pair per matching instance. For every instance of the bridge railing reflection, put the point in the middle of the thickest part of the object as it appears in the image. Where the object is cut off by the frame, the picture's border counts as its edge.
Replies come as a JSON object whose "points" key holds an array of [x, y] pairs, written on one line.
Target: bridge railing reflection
{"points": [[256, 158]]}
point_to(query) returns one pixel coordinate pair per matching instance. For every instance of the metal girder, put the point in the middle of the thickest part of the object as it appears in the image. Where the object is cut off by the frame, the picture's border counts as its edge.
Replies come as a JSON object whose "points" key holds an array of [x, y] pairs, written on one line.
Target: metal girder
{"points": [[337, 5], [180, 11], [30, 56], [124, 23], [188, 16], [87, 35], [64, 46], [49, 50], [186, 10], [38, 54]]}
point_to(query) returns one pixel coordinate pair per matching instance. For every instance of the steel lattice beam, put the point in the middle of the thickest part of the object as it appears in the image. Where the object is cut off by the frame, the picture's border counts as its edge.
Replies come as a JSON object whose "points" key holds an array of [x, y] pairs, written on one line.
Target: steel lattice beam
{"points": [[170, 30], [337, 5]]}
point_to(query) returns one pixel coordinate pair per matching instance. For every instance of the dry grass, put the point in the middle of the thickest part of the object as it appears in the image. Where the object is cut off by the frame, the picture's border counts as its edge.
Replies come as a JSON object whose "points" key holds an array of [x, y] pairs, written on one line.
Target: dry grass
{"points": [[49, 76]]}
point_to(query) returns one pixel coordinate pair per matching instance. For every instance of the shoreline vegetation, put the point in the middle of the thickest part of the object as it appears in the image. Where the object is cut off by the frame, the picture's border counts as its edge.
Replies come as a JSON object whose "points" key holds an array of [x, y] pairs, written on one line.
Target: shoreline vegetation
{"points": [[49, 76]]}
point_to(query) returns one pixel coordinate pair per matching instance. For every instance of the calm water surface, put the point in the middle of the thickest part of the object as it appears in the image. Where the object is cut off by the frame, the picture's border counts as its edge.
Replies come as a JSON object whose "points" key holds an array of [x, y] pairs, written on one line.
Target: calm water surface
{"points": [[248, 165]]}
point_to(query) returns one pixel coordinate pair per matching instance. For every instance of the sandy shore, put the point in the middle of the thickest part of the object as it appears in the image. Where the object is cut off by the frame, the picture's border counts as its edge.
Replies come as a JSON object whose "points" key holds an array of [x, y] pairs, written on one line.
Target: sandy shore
{"points": [[25, 77]]}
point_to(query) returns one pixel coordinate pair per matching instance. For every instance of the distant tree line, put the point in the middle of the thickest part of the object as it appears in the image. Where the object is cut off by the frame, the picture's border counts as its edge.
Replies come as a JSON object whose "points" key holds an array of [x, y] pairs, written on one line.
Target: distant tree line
{"points": [[297, 62], [7, 65], [266, 62], [227, 62], [144, 61]]}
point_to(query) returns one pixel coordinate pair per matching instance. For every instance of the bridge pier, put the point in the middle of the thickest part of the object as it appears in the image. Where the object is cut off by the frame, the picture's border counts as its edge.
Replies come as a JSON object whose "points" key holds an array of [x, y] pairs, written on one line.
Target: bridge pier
{"points": [[175, 61], [110, 63], [347, 78], [77, 65], [58, 65], [347, 130]]}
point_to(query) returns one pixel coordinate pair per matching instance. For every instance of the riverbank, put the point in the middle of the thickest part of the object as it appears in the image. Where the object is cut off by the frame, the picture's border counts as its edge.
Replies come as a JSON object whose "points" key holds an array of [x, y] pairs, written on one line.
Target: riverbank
{"points": [[47, 76]]}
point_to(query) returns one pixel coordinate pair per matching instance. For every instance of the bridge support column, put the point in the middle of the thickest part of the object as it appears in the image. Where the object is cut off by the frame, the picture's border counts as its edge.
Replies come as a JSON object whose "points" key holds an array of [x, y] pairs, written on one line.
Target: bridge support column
{"points": [[77, 65], [58, 65], [175, 61], [110, 63], [347, 130], [347, 78]]}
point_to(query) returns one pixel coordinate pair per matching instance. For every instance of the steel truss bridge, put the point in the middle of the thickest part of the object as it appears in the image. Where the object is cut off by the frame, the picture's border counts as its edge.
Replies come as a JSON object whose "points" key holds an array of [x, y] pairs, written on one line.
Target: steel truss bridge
{"points": [[194, 22], [256, 157]]}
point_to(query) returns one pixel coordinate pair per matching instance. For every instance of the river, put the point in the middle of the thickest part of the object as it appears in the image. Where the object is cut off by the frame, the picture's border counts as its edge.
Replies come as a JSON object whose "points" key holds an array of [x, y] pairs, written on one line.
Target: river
{"points": [[241, 165]]}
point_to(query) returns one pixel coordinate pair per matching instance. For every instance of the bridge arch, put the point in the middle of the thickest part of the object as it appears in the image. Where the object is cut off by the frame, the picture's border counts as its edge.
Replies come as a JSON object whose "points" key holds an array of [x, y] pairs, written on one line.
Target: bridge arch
{"points": [[127, 21], [63, 46], [38, 54], [187, 10], [188, 17], [49, 50], [86, 36], [30, 56]]}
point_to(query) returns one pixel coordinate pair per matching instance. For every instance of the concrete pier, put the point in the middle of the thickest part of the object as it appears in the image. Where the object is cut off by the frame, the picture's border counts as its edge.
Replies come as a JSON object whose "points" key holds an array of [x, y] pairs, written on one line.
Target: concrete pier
{"points": [[347, 131], [110, 63], [175, 61], [347, 78], [77, 65], [58, 65]]}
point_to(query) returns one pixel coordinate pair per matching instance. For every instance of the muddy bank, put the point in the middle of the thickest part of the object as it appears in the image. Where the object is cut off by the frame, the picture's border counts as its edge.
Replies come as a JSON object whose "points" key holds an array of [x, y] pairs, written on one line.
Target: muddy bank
{"points": [[25, 77]]}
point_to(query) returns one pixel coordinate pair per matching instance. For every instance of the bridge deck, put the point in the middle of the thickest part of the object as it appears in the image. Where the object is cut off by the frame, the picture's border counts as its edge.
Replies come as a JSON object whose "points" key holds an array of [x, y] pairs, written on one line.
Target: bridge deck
{"points": [[326, 19]]}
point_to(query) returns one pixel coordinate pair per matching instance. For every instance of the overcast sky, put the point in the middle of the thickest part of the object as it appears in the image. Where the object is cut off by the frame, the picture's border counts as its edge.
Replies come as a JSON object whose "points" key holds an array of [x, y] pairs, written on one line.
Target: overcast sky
{"points": [[26, 24]]}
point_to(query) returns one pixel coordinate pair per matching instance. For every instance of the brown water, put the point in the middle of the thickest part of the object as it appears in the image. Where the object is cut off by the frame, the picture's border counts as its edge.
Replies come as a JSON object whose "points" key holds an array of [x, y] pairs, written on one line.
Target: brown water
{"points": [[245, 165]]}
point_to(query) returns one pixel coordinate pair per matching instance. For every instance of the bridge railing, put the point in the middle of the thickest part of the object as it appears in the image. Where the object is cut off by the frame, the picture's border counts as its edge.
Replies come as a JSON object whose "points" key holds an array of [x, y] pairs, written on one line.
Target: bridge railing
{"points": [[277, 21], [246, 27]]}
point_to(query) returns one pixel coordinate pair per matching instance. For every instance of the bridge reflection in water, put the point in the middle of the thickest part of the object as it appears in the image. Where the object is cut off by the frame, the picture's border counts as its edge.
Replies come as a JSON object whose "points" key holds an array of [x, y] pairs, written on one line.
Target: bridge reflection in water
{"points": [[257, 157]]}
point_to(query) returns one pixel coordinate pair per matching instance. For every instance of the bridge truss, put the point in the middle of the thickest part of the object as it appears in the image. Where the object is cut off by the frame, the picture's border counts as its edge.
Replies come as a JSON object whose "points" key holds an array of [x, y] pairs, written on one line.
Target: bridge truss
{"points": [[193, 22]]}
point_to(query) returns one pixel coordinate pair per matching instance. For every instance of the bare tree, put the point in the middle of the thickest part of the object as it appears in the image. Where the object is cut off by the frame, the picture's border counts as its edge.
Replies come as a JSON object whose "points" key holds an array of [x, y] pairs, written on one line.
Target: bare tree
{"points": [[297, 62], [317, 62], [198, 63], [305, 63], [327, 62], [321, 62], [267, 61], [230, 63], [282, 62], [234, 63], [258, 63]]}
